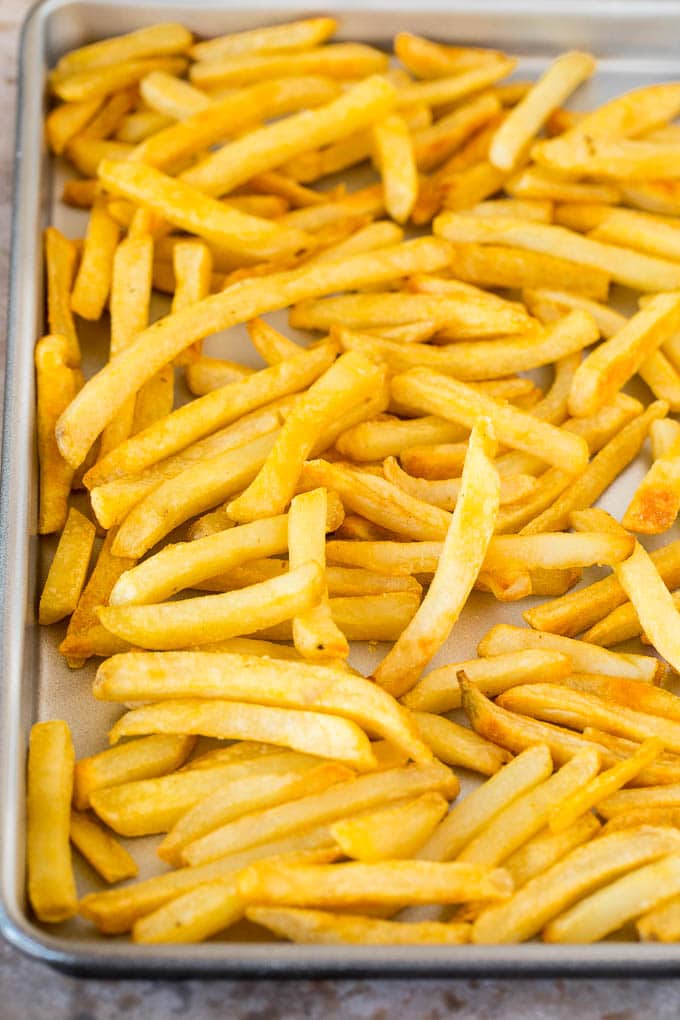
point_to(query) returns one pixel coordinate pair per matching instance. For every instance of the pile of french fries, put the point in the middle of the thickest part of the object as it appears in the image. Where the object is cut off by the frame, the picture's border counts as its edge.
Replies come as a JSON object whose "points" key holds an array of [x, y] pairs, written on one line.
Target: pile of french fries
{"points": [[358, 488]]}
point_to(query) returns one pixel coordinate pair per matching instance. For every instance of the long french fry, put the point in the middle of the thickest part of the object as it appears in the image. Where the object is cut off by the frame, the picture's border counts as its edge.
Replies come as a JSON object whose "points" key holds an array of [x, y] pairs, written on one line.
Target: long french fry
{"points": [[654, 604], [68, 569], [56, 385], [317, 927]]}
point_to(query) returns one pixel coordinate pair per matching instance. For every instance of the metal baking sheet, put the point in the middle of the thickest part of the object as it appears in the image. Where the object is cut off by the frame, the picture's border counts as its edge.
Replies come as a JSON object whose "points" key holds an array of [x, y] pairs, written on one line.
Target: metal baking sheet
{"points": [[637, 44]]}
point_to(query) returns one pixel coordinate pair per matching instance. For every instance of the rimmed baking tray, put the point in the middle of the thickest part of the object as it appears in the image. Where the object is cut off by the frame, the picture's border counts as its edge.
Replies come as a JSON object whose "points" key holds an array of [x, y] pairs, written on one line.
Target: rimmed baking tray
{"points": [[637, 43]]}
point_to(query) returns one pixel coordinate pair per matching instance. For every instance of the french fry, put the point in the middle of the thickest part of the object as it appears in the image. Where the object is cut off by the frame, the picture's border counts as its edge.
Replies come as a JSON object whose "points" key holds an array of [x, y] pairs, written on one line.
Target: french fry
{"points": [[656, 501], [106, 392], [546, 848], [612, 158], [242, 797], [207, 374], [337, 60], [193, 916], [108, 858], [651, 797], [450, 89], [270, 146], [431, 392], [660, 924], [317, 927], [598, 788], [456, 745], [439, 691], [141, 807], [385, 437], [435, 143], [483, 804], [166, 38], [580, 216], [491, 265], [428, 59], [562, 77], [600, 473], [251, 679], [67, 120], [60, 262], [608, 909], [51, 885], [141, 124], [291, 35], [344, 385], [185, 564], [388, 882], [457, 570], [397, 831], [629, 693], [654, 604], [145, 758], [540, 210], [92, 284], [116, 910], [535, 182], [100, 81], [528, 814], [56, 385], [363, 617], [106, 120], [68, 569], [87, 153], [573, 877], [171, 96], [362, 793], [445, 493], [396, 162], [632, 269]]}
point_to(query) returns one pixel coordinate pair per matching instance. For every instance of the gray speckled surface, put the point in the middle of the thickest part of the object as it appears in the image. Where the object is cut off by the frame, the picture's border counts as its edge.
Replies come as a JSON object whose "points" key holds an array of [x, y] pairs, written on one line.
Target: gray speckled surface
{"points": [[30, 991]]}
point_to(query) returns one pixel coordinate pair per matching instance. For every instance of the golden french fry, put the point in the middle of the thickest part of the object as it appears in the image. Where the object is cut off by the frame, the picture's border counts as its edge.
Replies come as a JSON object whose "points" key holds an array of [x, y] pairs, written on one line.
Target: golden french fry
{"points": [[116, 910], [137, 126], [87, 153], [535, 182], [363, 617], [538, 209], [56, 385], [252, 793], [546, 848], [385, 437], [337, 60], [395, 159], [386, 882], [561, 78], [457, 570], [68, 569], [654, 604], [427, 391], [67, 120], [51, 886], [291, 35], [137, 759], [105, 393], [93, 282], [108, 858], [457, 745], [656, 501], [101, 80], [362, 793], [390, 833], [491, 265], [439, 691], [109, 116], [468, 818], [60, 262], [576, 875], [138, 677], [171, 96], [317, 927], [630, 693], [632, 269], [166, 38], [428, 59], [446, 492], [450, 89], [193, 916], [207, 374]]}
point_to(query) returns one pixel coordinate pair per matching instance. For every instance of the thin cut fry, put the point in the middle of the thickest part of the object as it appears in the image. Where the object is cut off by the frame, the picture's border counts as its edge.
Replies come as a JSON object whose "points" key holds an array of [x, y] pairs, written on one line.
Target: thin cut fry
{"points": [[93, 282], [653, 602], [395, 158], [108, 858], [60, 262]]}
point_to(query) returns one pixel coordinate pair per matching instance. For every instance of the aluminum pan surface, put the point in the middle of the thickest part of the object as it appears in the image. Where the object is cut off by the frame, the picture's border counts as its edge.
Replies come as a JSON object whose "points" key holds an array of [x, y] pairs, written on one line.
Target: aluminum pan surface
{"points": [[637, 43]]}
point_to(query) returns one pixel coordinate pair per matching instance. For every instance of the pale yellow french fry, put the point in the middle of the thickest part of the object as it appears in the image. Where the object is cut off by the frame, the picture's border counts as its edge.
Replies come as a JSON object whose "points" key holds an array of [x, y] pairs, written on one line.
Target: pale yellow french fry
{"points": [[185, 564], [68, 569], [612, 158], [548, 304], [136, 759], [385, 437], [388, 882], [93, 282], [291, 35], [632, 269], [457, 745], [660, 924], [51, 885], [585, 658], [56, 385], [137, 677], [547, 848], [193, 916], [67, 120], [538, 209], [481, 805], [427, 391], [106, 392], [106, 855], [576, 875], [317, 927], [460, 562], [651, 797], [116, 910], [395, 159], [85, 636], [363, 617], [369, 238], [445, 492], [337, 60], [439, 691], [390, 833], [607, 368], [653, 602], [590, 795], [344, 385], [60, 262], [535, 182], [562, 77], [270, 146], [362, 793], [171, 96], [527, 815], [641, 231], [608, 909], [242, 797], [600, 472]]}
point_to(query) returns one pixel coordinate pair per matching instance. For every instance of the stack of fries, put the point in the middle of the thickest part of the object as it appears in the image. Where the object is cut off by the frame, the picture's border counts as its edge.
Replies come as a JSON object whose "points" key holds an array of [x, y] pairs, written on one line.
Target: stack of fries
{"points": [[358, 489]]}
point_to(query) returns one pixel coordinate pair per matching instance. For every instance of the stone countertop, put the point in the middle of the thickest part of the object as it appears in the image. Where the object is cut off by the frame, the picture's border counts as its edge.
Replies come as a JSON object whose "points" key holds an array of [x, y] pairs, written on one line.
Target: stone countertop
{"points": [[31, 991]]}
